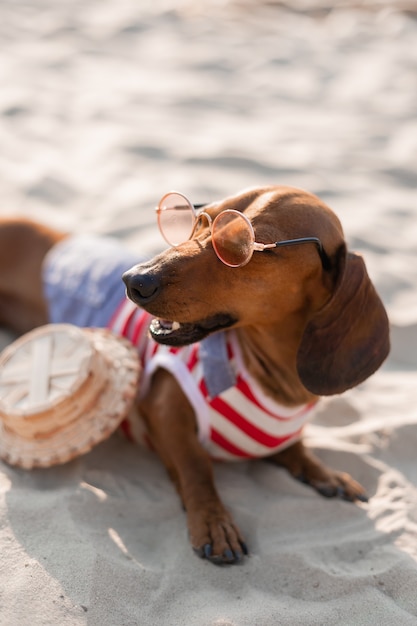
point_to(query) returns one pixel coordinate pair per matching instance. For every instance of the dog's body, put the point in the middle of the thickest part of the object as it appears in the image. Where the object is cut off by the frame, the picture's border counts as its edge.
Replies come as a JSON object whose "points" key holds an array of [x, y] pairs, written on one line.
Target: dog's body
{"points": [[300, 330]]}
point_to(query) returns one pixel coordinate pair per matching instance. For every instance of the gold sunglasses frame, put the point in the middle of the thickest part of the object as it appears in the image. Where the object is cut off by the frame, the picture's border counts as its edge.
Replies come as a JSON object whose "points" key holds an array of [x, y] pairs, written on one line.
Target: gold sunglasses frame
{"points": [[256, 246]]}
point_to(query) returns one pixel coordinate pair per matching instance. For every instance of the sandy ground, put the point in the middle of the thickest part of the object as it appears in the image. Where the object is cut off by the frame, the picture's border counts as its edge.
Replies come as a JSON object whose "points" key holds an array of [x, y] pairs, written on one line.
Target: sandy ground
{"points": [[105, 106]]}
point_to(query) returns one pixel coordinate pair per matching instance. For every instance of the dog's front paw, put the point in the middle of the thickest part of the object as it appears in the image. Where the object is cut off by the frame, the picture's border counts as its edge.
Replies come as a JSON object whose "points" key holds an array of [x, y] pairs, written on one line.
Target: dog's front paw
{"points": [[336, 485], [215, 537], [306, 467]]}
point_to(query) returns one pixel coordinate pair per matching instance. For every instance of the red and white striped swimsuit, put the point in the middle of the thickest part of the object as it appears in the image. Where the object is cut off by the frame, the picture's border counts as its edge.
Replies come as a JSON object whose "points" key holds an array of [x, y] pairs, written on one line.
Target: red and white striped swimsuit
{"points": [[240, 423]]}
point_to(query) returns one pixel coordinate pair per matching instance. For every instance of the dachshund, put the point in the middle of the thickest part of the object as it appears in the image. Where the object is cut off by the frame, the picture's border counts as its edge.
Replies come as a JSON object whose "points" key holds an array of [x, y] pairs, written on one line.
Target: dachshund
{"points": [[255, 310]]}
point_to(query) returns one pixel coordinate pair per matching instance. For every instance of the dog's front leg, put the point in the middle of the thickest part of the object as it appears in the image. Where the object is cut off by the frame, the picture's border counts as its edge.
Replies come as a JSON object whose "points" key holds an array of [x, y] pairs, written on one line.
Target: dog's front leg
{"points": [[172, 429]]}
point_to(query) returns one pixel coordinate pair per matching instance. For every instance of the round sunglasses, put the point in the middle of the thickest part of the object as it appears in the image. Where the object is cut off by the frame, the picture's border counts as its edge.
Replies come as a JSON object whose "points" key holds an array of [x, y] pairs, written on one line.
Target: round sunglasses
{"points": [[233, 237]]}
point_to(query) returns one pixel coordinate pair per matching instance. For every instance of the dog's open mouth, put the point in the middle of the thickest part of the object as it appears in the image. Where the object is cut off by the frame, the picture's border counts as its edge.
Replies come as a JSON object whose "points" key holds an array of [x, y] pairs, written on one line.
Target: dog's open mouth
{"points": [[181, 334]]}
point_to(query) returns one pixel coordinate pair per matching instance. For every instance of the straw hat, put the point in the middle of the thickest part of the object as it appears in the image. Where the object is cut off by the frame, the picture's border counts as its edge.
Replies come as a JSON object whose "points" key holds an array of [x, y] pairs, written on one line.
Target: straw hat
{"points": [[63, 389]]}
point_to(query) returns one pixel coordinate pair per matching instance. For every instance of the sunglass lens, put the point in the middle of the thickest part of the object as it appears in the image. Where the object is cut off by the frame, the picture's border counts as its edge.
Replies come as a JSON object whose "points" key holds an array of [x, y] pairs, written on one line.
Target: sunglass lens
{"points": [[175, 218], [232, 238]]}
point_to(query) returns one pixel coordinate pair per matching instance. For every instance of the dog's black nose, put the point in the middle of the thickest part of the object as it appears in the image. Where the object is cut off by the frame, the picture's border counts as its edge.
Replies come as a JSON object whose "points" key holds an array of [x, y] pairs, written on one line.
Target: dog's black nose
{"points": [[141, 287]]}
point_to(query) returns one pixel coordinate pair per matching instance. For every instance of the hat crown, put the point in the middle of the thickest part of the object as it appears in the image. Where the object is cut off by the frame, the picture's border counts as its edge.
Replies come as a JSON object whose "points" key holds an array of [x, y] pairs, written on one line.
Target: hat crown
{"points": [[62, 388], [47, 378]]}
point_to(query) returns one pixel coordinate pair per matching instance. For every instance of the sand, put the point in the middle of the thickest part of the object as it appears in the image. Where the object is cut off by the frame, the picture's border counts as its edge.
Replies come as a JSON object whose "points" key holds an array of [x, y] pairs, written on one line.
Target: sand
{"points": [[105, 106]]}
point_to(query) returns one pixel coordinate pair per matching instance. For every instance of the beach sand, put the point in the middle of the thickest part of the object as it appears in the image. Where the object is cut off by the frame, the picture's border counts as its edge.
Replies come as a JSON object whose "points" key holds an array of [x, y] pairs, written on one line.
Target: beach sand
{"points": [[105, 106]]}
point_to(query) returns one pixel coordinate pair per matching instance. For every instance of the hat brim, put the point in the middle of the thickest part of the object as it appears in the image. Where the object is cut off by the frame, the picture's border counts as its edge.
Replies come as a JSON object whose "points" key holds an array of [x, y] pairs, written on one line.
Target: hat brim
{"points": [[93, 426]]}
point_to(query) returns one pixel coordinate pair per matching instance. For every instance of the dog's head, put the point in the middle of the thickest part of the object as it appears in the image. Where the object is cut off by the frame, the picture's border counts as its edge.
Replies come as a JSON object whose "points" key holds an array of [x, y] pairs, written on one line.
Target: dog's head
{"points": [[321, 308]]}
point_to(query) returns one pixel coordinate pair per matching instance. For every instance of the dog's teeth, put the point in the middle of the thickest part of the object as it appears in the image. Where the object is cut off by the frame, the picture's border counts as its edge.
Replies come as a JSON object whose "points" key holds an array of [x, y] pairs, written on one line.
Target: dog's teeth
{"points": [[164, 327]]}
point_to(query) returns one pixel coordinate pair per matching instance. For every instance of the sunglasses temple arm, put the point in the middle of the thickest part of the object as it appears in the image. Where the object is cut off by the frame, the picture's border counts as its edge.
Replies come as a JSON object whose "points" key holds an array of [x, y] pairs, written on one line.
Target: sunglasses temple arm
{"points": [[325, 261]]}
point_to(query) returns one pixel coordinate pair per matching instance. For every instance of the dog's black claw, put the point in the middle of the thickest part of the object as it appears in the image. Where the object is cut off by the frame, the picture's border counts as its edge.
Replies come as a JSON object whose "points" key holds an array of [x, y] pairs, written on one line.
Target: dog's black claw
{"points": [[239, 554], [362, 497], [208, 551], [341, 493], [229, 556], [204, 552]]}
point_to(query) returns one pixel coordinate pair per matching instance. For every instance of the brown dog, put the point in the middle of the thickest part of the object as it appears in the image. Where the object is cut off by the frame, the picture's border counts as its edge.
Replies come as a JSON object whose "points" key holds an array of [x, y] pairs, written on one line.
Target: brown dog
{"points": [[305, 316]]}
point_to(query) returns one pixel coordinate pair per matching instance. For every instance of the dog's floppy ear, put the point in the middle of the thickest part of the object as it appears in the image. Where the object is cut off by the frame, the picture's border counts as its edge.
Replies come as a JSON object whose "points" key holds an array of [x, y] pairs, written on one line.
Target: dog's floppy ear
{"points": [[348, 339]]}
